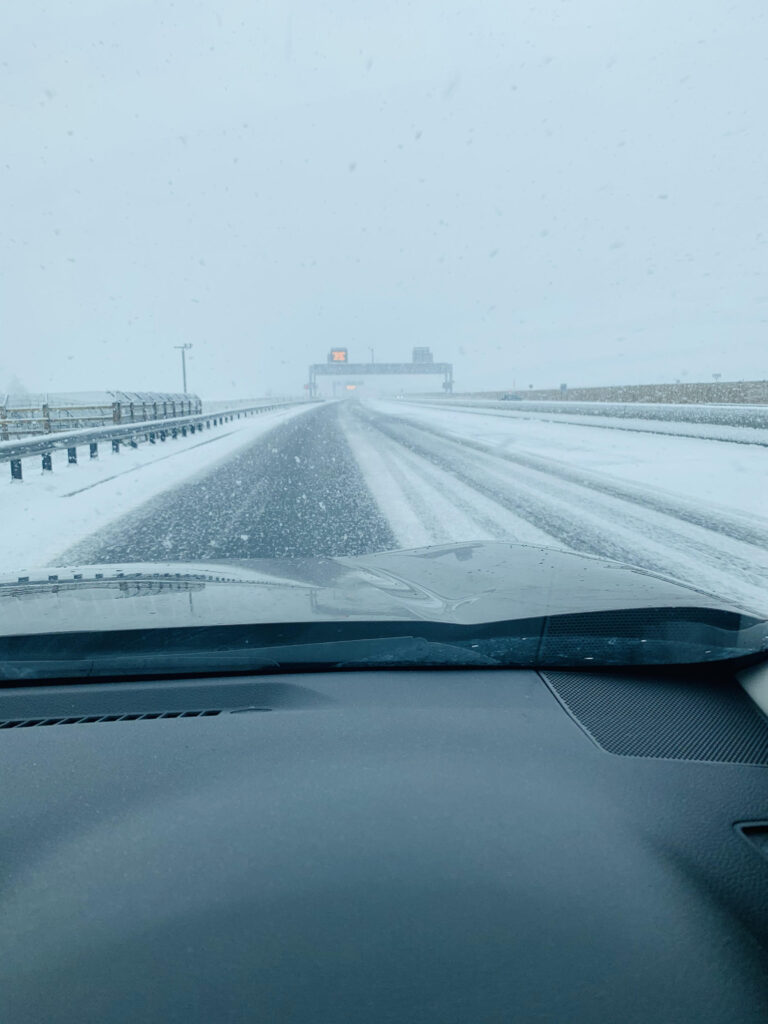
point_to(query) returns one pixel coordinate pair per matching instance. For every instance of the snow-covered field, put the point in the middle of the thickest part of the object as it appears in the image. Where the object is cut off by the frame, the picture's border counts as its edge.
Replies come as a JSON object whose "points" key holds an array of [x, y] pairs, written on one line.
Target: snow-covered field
{"points": [[49, 512]]}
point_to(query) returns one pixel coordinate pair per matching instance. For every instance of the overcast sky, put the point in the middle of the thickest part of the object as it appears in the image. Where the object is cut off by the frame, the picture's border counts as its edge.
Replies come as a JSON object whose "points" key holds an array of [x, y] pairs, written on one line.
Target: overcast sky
{"points": [[560, 190]]}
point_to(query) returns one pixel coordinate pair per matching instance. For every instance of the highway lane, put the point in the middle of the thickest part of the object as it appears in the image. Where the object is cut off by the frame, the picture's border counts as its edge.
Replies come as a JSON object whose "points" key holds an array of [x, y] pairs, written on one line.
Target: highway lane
{"points": [[297, 491], [348, 478]]}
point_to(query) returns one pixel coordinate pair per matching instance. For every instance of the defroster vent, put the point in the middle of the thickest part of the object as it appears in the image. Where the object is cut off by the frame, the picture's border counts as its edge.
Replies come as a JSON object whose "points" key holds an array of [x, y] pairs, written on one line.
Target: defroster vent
{"points": [[668, 718]]}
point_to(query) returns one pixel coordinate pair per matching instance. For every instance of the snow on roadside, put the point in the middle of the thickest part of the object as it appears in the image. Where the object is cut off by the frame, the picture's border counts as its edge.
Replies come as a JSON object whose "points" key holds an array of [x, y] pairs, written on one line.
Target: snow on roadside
{"points": [[49, 512]]}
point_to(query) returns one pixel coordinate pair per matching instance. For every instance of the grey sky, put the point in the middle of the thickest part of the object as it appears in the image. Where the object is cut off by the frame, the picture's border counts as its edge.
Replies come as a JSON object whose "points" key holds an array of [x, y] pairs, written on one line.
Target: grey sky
{"points": [[566, 190]]}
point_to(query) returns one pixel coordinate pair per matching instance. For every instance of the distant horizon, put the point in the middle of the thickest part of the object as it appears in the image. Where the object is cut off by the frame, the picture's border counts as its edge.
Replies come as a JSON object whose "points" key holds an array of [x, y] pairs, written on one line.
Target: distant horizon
{"points": [[272, 392]]}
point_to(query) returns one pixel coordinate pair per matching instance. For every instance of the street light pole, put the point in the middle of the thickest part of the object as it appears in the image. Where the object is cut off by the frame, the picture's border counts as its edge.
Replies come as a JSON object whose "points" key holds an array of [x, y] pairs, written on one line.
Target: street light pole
{"points": [[183, 349]]}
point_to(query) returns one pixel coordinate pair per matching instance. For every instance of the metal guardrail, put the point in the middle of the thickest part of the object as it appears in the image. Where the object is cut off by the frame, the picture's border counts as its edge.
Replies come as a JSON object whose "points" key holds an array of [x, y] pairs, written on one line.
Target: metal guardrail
{"points": [[25, 415], [130, 434], [212, 406]]}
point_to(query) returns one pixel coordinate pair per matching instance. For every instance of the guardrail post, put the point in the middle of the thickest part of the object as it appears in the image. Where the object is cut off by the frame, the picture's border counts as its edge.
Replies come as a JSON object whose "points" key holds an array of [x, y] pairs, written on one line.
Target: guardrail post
{"points": [[183, 431], [163, 435], [115, 447], [207, 424], [151, 437], [15, 469], [71, 456], [115, 412], [174, 433], [94, 447], [46, 419], [4, 420], [47, 462]]}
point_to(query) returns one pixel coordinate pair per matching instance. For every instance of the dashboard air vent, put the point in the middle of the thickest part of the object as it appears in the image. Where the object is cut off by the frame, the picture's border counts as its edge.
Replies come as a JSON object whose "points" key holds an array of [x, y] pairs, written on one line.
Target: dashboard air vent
{"points": [[26, 723]]}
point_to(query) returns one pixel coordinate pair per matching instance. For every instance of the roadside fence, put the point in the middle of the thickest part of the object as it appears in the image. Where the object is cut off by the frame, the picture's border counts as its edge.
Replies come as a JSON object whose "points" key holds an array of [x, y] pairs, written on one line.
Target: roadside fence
{"points": [[27, 415], [128, 433]]}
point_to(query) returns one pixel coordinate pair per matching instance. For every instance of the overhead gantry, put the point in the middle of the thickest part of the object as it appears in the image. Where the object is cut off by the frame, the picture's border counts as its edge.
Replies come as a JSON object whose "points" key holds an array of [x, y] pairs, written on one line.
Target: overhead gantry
{"points": [[338, 365]]}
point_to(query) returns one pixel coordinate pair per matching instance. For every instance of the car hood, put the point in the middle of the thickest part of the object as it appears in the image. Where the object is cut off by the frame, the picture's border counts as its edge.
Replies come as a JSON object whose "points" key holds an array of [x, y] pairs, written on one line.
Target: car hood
{"points": [[462, 584]]}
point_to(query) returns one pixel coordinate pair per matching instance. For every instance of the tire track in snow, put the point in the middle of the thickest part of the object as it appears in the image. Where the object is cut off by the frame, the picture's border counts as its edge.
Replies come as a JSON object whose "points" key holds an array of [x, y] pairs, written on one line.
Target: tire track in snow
{"points": [[594, 515], [731, 525], [413, 490]]}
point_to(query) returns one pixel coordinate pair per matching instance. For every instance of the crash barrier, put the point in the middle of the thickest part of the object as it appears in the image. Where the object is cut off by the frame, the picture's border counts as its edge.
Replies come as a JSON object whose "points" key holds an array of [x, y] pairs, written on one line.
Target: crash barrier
{"points": [[28, 415], [724, 415], [126, 434], [213, 406]]}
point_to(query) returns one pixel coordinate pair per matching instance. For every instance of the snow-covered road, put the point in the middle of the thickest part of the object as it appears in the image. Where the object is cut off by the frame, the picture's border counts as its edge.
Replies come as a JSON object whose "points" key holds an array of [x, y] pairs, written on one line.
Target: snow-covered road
{"points": [[684, 507], [350, 477]]}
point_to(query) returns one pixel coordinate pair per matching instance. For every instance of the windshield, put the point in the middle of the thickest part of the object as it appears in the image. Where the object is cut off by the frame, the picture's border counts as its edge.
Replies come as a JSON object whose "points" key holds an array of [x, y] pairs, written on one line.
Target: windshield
{"points": [[289, 285]]}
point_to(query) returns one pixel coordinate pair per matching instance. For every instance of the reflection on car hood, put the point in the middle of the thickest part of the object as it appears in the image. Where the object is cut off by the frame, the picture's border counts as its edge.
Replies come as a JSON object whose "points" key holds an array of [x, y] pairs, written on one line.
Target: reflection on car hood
{"points": [[462, 584]]}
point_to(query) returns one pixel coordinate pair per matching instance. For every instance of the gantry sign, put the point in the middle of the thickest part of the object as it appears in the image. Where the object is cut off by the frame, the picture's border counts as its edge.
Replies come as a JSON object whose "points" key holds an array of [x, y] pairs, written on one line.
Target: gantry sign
{"points": [[338, 365]]}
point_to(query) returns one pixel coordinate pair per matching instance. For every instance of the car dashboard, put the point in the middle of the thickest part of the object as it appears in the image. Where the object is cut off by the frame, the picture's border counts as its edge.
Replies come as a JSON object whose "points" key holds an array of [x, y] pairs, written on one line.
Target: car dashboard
{"points": [[427, 845]]}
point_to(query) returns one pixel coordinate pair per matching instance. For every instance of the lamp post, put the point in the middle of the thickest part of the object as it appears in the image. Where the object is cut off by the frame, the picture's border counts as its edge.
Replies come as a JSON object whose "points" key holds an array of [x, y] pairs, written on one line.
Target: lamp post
{"points": [[183, 349]]}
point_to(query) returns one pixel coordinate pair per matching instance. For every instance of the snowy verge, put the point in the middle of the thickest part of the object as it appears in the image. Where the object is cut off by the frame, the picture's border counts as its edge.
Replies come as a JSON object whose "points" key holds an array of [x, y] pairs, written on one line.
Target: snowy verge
{"points": [[49, 512]]}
